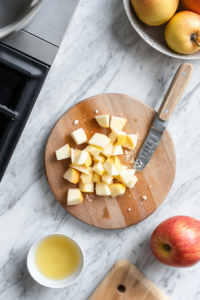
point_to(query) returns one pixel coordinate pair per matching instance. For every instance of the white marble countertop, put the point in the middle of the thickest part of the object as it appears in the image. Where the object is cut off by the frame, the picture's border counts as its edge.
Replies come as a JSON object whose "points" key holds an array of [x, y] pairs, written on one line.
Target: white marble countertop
{"points": [[100, 53]]}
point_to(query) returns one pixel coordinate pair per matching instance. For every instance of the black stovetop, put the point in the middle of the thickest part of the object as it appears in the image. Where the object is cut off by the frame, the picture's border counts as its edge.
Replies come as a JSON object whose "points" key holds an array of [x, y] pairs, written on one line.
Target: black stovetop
{"points": [[21, 79]]}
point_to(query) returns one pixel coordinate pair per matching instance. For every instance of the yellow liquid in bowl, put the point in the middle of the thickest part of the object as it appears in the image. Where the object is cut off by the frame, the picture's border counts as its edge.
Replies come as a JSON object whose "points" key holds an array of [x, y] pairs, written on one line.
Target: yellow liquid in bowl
{"points": [[57, 257]]}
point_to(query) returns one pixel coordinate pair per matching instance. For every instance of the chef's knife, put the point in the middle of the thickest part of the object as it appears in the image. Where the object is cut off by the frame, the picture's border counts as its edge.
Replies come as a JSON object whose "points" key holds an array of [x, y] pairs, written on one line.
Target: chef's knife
{"points": [[176, 90]]}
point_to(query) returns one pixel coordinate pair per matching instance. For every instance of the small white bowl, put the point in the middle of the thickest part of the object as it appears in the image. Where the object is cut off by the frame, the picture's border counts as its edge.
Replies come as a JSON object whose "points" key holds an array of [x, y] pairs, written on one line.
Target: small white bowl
{"points": [[56, 284]]}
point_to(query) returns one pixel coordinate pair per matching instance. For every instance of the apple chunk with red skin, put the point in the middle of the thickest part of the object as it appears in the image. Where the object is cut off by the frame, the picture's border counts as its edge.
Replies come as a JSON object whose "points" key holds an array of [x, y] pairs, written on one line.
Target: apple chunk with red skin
{"points": [[176, 242]]}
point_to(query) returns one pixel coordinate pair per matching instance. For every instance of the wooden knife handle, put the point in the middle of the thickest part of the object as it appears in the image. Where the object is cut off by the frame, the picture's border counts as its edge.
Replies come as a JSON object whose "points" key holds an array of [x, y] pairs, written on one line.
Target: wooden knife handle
{"points": [[175, 91]]}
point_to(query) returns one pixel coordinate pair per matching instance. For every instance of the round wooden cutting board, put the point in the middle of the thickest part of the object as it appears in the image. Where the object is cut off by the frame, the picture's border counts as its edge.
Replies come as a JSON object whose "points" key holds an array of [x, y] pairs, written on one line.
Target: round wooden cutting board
{"points": [[154, 181]]}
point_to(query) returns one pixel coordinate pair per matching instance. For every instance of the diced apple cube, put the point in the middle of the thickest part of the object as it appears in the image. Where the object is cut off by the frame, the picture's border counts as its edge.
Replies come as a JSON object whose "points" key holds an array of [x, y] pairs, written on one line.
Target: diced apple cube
{"points": [[99, 140], [99, 169], [127, 175], [117, 149], [117, 123], [108, 151], [72, 155], [119, 179], [81, 158], [63, 153], [107, 178], [118, 164], [124, 167], [102, 189], [88, 162], [98, 158], [113, 136], [103, 121], [121, 140], [87, 178], [96, 177], [117, 189], [77, 151], [133, 138], [72, 175], [128, 144], [81, 169], [132, 182], [109, 165], [79, 136], [86, 187], [93, 150], [74, 197]]}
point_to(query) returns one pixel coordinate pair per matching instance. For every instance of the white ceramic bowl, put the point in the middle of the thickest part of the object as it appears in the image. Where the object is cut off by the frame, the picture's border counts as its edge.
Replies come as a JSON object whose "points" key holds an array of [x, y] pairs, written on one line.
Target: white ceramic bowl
{"points": [[56, 284], [154, 35]]}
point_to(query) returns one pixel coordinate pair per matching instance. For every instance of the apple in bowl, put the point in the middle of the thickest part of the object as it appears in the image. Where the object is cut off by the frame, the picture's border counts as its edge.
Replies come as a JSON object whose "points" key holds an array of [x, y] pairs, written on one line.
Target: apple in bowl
{"points": [[176, 242], [182, 33], [193, 5]]}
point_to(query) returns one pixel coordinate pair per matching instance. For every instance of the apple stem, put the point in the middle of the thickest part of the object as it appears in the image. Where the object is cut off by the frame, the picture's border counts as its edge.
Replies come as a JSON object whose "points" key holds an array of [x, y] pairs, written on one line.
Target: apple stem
{"points": [[193, 38], [167, 247]]}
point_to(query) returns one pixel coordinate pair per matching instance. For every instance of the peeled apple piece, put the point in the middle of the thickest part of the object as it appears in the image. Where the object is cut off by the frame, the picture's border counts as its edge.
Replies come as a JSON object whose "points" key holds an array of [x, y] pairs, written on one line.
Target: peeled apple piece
{"points": [[88, 162], [113, 136], [72, 175], [118, 164], [108, 151], [99, 169], [133, 138], [110, 167], [128, 144], [127, 175], [74, 197], [132, 182], [117, 150], [72, 155], [99, 140], [107, 178], [80, 169], [87, 178], [93, 150], [117, 123], [117, 189], [86, 187], [102, 189], [103, 121], [63, 153], [79, 136], [121, 138], [96, 177], [81, 158], [98, 158]]}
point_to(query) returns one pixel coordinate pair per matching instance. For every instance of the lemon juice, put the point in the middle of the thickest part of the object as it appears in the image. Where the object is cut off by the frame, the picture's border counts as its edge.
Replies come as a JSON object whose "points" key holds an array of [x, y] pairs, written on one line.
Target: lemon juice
{"points": [[57, 257]]}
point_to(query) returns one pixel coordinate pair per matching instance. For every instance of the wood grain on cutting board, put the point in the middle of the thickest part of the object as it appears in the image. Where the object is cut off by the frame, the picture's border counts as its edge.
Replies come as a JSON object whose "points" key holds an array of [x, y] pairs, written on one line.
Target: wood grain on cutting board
{"points": [[126, 282], [154, 181]]}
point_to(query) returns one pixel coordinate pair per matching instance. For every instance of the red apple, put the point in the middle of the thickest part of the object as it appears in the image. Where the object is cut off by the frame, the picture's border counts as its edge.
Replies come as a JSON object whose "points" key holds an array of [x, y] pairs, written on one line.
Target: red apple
{"points": [[193, 5], [176, 242]]}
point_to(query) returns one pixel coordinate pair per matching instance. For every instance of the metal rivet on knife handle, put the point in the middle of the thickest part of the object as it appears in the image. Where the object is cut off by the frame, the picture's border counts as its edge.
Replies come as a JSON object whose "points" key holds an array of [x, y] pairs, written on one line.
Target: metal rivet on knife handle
{"points": [[176, 90]]}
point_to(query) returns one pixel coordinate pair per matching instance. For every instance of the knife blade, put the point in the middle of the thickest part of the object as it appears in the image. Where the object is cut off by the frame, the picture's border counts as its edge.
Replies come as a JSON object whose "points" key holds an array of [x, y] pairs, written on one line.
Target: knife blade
{"points": [[151, 143], [175, 91]]}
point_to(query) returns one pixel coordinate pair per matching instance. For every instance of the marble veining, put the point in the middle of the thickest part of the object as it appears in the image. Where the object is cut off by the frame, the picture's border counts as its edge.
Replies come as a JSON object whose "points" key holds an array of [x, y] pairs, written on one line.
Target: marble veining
{"points": [[100, 53]]}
